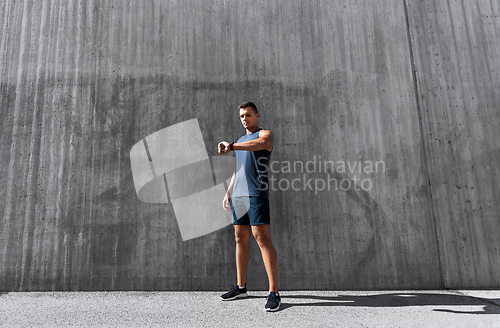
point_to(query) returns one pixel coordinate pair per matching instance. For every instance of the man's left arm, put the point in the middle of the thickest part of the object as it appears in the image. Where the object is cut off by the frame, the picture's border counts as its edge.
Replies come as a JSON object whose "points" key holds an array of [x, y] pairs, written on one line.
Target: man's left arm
{"points": [[263, 141]]}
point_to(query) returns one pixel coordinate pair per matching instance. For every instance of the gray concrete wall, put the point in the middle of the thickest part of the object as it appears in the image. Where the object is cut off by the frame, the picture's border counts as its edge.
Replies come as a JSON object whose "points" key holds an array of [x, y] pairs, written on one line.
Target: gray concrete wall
{"points": [[457, 61], [412, 84]]}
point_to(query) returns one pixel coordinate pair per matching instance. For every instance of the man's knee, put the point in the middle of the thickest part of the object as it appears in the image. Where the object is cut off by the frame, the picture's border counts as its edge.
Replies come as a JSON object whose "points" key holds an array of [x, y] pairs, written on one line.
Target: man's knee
{"points": [[241, 236], [261, 235]]}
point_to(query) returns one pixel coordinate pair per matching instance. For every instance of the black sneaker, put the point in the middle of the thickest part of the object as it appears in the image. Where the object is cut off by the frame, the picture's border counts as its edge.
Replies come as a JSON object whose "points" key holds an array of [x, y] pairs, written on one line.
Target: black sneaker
{"points": [[273, 302], [234, 293]]}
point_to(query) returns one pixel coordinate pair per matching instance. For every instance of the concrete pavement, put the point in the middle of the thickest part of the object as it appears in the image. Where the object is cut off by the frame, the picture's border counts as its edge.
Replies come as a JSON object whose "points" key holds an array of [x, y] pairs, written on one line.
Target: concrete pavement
{"points": [[204, 309]]}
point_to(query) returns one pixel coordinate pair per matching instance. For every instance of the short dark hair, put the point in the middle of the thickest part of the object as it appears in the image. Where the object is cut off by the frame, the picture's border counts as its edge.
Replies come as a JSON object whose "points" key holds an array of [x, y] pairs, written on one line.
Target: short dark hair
{"points": [[249, 104]]}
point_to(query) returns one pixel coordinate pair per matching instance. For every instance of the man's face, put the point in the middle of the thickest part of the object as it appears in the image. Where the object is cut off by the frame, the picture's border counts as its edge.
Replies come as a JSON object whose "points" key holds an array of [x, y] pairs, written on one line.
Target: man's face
{"points": [[248, 118]]}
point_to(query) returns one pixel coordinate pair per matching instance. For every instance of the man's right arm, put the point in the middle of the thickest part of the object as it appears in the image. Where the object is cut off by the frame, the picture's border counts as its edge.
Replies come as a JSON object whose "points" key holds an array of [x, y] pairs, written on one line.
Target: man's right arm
{"points": [[227, 197]]}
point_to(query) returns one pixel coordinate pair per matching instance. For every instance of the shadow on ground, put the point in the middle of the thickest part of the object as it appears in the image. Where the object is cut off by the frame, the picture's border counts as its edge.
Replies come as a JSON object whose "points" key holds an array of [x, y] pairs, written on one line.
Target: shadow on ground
{"points": [[490, 306]]}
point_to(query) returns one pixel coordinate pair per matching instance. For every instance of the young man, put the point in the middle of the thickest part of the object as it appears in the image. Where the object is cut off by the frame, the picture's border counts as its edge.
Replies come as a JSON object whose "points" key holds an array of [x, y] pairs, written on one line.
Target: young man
{"points": [[250, 203]]}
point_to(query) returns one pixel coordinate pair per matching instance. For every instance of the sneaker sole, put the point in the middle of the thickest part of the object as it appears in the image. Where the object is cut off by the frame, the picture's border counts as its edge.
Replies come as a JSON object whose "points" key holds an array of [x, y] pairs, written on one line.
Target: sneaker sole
{"points": [[235, 297], [275, 309]]}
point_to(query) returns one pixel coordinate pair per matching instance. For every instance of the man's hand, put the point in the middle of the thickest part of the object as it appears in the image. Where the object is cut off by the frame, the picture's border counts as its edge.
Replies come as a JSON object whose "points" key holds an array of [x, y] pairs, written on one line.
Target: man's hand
{"points": [[225, 202], [224, 147]]}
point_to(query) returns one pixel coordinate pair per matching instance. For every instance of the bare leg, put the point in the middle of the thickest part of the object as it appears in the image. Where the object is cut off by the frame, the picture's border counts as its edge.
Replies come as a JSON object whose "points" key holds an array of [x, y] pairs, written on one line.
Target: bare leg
{"points": [[242, 236], [269, 256]]}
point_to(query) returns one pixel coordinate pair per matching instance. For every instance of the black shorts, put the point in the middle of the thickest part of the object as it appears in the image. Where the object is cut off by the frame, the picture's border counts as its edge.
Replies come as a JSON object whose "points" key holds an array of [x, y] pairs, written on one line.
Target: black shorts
{"points": [[250, 210]]}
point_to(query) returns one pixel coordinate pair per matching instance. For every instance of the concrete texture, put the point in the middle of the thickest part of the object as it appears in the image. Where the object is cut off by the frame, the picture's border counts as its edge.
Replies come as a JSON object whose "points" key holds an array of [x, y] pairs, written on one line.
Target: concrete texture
{"points": [[299, 309], [457, 63], [412, 84]]}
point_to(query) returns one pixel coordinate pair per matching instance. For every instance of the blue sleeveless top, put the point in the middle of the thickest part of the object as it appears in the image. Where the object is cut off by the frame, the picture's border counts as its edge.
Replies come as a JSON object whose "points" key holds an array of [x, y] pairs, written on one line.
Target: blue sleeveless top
{"points": [[251, 170]]}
